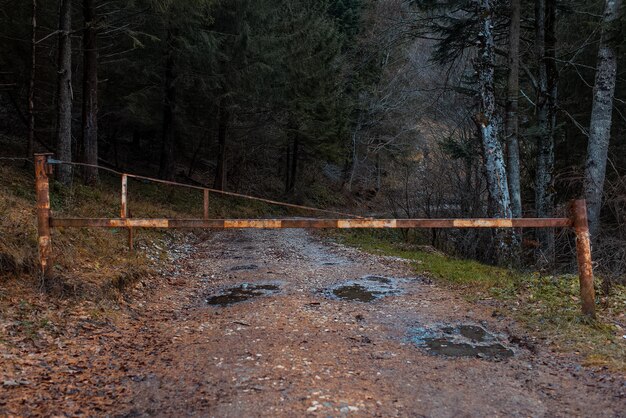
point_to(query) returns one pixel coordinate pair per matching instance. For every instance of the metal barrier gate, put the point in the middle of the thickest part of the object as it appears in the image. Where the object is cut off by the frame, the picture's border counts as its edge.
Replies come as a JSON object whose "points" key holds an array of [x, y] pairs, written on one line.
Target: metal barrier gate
{"points": [[577, 221]]}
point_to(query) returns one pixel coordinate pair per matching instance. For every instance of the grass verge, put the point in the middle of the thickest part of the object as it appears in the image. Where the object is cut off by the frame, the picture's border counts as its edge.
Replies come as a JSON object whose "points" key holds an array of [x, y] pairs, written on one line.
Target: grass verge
{"points": [[548, 306]]}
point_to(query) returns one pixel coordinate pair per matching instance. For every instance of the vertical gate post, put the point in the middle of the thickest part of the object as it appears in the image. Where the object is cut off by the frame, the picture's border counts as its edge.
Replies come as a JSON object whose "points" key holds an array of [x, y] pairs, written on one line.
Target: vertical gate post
{"points": [[124, 197], [124, 209], [578, 210], [206, 204], [42, 193]]}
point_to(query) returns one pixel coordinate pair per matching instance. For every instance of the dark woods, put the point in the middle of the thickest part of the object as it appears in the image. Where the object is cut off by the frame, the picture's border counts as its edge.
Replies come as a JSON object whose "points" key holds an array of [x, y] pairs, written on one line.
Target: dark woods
{"points": [[225, 92], [403, 108]]}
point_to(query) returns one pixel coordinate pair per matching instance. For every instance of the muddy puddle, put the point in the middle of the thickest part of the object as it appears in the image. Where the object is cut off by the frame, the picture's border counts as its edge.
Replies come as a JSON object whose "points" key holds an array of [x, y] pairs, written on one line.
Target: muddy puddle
{"points": [[242, 293], [366, 289], [464, 340]]}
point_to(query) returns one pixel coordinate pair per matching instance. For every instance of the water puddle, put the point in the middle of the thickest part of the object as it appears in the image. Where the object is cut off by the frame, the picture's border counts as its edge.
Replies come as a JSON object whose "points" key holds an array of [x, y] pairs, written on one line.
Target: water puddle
{"points": [[378, 279], [356, 292], [463, 340], [242, 293], [366, 289]]}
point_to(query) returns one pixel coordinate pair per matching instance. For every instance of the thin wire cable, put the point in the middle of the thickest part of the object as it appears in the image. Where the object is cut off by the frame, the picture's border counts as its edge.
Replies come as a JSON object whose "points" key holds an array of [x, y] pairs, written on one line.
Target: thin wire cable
{"points": [[222, 192], [16, 159]]}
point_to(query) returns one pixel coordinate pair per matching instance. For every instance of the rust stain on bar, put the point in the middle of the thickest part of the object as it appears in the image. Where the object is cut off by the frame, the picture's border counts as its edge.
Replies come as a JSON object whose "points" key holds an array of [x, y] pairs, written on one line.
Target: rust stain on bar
{"points": [[542, 222], [253, 223], [366, 223], [583, 255], [109, 223], [310, 223], [424, 223], [42, 192], [482, 223], [139, 223], [197, 223]]}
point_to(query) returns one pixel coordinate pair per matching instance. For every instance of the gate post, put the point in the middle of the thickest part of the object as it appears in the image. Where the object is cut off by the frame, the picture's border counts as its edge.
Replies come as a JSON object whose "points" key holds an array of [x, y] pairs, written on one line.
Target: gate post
{"points": [[124, 210], [42, 193], [578, 211]]}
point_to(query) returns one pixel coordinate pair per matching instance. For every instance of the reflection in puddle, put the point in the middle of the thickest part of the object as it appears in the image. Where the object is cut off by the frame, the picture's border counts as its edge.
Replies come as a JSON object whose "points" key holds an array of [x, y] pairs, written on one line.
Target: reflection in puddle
{"points": [[242, 293], [460, 341], [473, 332], [356, 292], [366, 289]]}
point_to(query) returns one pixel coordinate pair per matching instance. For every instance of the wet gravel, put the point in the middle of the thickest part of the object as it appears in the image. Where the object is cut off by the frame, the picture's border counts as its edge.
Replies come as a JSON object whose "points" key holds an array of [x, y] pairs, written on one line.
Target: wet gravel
{"points": [[284, 324], [349, 333]]}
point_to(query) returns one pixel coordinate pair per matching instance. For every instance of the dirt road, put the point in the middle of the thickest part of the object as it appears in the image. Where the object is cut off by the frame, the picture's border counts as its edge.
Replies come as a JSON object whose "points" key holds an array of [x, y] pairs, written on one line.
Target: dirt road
{"points": [[327, 331]]}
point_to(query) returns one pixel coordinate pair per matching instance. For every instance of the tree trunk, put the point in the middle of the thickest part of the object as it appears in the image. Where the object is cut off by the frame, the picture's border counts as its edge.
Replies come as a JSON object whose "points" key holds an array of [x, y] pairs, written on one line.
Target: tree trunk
{"points": [[488, 123], [511, 123], [287, 167], [545, 19], [64, 93], [354, 158], [488, 120], [90, 94], [601, 112], [378, 168], [294, 164], [166, 167], [31, 86], [220, 174], [194, 158]]}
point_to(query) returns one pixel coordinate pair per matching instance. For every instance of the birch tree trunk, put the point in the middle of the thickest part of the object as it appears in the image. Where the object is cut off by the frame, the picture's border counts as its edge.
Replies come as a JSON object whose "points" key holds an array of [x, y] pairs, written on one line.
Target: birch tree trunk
{"points": [[488, 120], [90, 94], [64, 93], [545, 40], [601, 110], [489, 125], [511, 123]]}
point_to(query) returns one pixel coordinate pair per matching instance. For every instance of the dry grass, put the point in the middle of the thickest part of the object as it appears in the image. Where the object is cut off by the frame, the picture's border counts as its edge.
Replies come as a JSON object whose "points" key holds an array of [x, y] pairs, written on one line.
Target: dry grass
{"points": [[86, 262], [94, 263], [93, 273]]}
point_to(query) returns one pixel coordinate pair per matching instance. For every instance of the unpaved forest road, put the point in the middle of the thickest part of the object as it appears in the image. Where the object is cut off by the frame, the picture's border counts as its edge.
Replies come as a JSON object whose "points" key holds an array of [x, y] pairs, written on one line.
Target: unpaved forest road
{"points": [[300, 352]]}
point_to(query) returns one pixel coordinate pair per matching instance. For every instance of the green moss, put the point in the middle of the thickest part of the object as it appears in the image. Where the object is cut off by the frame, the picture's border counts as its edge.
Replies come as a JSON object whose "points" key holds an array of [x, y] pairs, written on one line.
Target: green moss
{"points": [[449, 269]]}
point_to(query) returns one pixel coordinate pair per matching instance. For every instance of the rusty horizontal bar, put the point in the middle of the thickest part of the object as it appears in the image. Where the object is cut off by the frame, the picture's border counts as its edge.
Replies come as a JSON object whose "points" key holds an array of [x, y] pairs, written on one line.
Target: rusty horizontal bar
{"points": [[310, 223]]}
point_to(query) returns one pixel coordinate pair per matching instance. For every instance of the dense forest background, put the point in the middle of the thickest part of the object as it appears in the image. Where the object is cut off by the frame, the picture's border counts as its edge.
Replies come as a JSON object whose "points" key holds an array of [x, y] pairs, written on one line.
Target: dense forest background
{"points": [[390, 107]]}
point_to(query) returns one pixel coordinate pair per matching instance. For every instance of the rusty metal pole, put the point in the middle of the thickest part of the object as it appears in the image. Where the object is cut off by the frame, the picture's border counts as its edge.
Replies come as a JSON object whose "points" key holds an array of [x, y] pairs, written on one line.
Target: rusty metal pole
{"points": [[124, 210], [206, 204], [578, 210], [124, 197], [42, 193]]}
